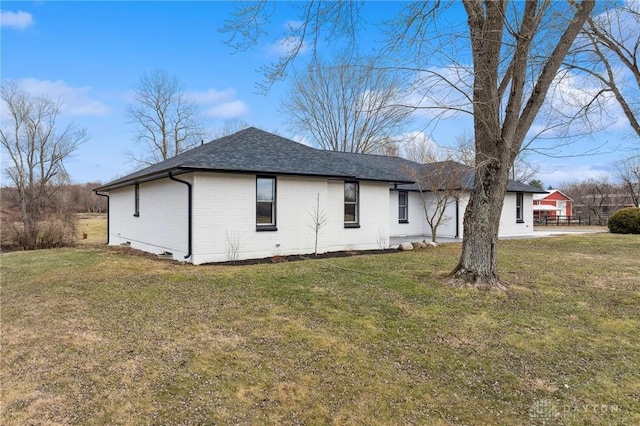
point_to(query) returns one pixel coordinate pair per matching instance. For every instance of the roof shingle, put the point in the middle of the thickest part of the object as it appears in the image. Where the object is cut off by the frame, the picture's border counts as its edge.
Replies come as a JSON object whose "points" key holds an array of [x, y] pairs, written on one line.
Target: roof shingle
{"points": [[258, 152]]}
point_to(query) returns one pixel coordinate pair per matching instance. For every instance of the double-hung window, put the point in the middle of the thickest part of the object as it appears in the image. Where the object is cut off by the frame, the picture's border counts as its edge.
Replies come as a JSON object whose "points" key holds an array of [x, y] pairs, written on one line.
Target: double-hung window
{"points": [[266, 203], [351, 204], [519, 207], [403, 207]]}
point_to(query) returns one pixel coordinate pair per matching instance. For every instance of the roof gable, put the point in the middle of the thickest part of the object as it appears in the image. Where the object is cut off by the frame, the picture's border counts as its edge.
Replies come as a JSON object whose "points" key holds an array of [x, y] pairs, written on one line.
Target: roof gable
{"points": [[554, 194]]}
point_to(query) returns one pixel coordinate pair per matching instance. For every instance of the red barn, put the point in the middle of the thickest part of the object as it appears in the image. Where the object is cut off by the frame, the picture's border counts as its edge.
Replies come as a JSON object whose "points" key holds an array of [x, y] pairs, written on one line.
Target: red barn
{"points": [[552, 204]]}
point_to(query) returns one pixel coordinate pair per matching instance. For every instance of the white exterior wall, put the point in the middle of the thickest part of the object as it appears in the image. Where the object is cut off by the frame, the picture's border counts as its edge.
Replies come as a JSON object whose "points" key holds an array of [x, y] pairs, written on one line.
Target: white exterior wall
{"points": [[373, 233], [225, 215], [508, 223], [415, 226], [418, 225], [163, 221]]}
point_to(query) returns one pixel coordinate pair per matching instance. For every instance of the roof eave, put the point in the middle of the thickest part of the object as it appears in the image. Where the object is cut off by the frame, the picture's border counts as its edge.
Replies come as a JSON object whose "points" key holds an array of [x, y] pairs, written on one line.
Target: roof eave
{"points": [[162, 174]]}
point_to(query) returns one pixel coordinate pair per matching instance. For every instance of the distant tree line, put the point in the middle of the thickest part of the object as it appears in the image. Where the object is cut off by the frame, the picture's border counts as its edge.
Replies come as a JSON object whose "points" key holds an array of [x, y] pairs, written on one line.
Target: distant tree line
{"points": [[78, 198], [600, 197]]}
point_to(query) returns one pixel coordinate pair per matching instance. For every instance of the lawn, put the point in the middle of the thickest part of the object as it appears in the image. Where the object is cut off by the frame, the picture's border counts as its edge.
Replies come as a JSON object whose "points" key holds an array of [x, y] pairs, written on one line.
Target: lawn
{"points": [[93, 335]]}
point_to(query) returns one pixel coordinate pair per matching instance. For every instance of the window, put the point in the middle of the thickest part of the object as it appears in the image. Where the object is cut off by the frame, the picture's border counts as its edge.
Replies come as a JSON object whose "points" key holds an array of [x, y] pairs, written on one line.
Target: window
{"points": [[403, 207], [519, 207], [266, 204], [351, 205], [136, 211]]}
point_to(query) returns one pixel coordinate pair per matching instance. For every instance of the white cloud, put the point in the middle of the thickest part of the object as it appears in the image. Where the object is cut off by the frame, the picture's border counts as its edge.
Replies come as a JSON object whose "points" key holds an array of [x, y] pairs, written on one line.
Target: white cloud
{"points": [[421, 138], [219, 104], [227, 110], [420, 147], [76, 101], [572, 109], [556, 174], [18, 20]]}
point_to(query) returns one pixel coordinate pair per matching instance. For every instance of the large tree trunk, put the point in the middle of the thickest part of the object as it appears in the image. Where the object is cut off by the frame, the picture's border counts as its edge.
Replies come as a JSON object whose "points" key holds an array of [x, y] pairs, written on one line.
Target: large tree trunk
{"points": [[503, 112], [477, 266]]}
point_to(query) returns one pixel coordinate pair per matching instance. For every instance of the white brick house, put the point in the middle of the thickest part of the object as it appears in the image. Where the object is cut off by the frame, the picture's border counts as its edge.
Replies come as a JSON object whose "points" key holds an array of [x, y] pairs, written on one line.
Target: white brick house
{"points": [[253, 195]]}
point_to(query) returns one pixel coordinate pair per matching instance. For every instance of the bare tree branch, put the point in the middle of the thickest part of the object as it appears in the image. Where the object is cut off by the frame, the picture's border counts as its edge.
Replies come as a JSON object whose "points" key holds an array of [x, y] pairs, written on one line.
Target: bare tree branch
{"points": [[608, 51], [166, 121], [341, 107]]}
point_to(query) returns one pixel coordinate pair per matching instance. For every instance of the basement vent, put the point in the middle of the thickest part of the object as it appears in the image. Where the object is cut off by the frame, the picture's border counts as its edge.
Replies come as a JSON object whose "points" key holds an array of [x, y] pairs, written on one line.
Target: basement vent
{"points": [[166, 255]]}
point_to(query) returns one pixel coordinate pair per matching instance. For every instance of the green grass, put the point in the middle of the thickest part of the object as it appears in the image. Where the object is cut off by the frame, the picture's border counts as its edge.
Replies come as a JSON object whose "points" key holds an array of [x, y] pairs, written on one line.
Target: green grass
{"points": [[98, 336]]}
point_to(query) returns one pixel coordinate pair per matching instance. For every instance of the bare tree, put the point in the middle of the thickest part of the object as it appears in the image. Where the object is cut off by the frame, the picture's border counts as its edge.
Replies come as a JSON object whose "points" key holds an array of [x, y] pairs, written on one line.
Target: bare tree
{"points": [[229, 127], [516, 50], [439, 184], [608, 50], [596, 197], [36, 150], [464, 150], [345, 106], [319, 218], [629, 175], [421, 149], [166, 120]]}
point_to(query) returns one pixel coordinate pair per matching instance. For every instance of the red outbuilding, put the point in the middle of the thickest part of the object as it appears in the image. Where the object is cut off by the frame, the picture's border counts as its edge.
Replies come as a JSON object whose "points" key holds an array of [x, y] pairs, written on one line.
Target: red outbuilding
{"points": [[551, 205]]}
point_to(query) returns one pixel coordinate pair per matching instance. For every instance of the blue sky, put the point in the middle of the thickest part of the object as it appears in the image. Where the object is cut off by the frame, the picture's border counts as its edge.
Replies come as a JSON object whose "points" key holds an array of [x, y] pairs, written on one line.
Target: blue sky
{"points": [[92, 54]]}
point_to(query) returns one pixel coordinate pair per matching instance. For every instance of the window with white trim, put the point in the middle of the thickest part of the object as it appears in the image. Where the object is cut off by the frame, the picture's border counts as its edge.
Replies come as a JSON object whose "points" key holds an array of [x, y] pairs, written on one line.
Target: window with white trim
{"points": [[403, 207], [265, 203], [519, 207], [351, 204]]}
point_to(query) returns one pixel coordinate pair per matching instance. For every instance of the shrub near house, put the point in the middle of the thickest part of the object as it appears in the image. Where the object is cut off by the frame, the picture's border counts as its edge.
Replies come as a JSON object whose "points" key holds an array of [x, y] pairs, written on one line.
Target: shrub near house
{"points": [[625, 221]]}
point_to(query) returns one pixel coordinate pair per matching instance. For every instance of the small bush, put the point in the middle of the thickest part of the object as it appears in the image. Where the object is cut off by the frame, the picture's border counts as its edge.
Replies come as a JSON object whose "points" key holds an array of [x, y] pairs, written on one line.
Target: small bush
{"points": [[51, 233], [56, 233], [625, 221]]}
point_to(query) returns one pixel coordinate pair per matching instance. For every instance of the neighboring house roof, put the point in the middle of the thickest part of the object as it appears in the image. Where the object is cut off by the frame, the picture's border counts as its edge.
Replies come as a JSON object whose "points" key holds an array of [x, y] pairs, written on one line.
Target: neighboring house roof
{"points": [[258, 152], [542, 196]]}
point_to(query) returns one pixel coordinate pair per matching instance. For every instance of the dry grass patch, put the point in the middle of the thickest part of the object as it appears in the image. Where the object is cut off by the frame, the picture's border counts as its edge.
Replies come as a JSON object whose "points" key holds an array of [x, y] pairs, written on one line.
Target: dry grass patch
{"points": [[92, 229], [98, 336]]}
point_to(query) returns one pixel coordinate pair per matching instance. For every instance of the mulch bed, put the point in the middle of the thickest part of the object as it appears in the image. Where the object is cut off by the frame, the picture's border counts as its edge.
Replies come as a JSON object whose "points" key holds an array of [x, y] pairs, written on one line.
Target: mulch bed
{"points": [[298, 257]]}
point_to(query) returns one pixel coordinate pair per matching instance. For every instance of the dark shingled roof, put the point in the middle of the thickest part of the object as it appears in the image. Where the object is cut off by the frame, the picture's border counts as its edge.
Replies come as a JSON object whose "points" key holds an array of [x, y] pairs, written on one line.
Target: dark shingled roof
{"points": [[258, 152], [255, 151], [455, 176]]}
